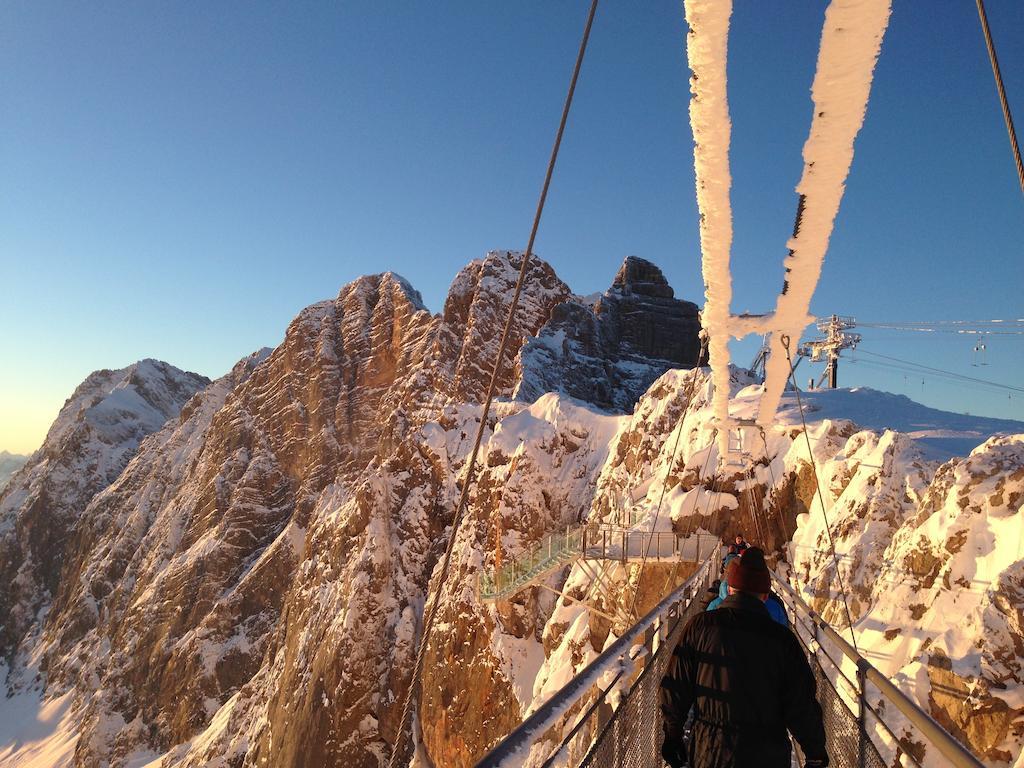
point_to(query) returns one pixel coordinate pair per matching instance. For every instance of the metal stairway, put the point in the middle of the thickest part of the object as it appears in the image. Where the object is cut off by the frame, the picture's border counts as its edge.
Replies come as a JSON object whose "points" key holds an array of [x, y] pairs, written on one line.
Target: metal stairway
{"points": [[589, 542]]}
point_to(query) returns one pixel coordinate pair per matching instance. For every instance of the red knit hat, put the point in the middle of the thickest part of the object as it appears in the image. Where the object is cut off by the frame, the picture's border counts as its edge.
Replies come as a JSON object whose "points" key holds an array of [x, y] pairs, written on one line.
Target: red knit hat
{"points": [[749, 573]]}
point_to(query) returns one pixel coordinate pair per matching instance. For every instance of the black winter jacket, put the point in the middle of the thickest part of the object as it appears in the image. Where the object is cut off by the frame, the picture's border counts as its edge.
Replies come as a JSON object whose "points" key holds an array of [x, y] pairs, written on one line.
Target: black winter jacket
{"points": [[749, 682]]}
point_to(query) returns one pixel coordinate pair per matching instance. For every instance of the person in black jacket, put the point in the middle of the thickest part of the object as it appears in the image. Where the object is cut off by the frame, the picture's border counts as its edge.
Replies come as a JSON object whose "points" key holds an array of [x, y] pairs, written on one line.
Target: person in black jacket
{"points": [[748, 681]]}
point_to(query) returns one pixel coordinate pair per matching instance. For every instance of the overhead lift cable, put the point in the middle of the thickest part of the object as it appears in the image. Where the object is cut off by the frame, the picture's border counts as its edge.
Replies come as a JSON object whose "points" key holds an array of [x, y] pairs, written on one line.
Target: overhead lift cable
{"points": [[908, 373], [914, 373], [398, 749], [1007, 117], [949, 374], [914, 324], [974, 329]]}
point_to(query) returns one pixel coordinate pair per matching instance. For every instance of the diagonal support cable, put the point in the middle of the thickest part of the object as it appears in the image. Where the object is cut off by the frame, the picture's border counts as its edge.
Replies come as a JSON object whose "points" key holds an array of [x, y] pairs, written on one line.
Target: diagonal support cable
{"points": [[398, 751], [821, 497]]}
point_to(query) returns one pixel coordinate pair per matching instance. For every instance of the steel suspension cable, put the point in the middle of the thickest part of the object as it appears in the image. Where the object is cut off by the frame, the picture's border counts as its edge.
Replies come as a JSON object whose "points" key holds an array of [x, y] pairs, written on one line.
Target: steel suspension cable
{"points": [[756, 514], [668, 474], [398, 749], [1014, 147], [821, 498], [771, 473], [691, 529]]}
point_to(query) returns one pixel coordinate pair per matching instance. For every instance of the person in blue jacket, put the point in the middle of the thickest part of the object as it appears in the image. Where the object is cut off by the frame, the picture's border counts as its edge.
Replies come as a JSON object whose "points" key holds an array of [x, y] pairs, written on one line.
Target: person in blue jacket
{"points": [[774, 603]]}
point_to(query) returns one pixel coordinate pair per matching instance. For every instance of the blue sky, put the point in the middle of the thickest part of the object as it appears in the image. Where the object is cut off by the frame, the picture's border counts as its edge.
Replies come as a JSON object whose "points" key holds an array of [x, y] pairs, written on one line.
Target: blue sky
{"points": [[177, 180]]}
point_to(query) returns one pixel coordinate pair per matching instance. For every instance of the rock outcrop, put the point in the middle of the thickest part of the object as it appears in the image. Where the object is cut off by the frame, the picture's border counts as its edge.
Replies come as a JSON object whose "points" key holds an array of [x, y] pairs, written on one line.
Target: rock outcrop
{"points": [[607, 353], [92, 440]]}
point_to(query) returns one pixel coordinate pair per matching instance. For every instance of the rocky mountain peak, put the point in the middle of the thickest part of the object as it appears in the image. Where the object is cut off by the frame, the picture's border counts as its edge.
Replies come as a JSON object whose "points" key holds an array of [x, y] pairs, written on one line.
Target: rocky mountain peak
{"points": [[211, 519], [120, 407], [641, 277], [609, 352], [97, 432]]}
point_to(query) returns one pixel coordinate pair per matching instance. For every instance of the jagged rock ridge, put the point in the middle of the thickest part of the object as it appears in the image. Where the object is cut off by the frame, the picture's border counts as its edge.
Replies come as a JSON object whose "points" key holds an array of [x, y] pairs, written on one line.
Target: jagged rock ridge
{"points": [[609, 352], [188, 563]]}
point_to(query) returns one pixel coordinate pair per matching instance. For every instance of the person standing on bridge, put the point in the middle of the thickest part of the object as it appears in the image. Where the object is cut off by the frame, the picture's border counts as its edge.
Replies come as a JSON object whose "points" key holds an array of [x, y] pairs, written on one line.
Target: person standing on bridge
{"points": [[739, 545], [747, 680]]}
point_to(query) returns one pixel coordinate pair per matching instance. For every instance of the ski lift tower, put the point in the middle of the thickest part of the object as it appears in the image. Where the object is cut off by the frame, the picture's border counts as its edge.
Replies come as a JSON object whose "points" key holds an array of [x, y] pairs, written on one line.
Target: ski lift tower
{"points": [[836, 339]]}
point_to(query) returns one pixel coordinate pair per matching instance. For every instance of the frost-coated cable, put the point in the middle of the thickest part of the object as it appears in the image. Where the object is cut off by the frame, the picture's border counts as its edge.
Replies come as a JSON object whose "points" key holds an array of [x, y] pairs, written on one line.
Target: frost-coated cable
{"points": [[851, 39]]}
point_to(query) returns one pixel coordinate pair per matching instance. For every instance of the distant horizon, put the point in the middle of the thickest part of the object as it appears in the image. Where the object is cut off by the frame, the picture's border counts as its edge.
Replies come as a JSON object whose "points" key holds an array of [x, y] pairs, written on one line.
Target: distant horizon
{"points": [[182, 180]]}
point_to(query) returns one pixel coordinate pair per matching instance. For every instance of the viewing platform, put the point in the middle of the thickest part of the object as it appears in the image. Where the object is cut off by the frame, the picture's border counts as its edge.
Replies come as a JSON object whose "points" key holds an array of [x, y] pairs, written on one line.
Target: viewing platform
{"points": [[590, 542]]}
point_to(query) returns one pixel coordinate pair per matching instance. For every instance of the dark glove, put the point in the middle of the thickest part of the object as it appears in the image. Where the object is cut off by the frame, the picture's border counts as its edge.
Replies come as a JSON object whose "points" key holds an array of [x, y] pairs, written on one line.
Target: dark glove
{"points": [[674, 753], [816, 762]]}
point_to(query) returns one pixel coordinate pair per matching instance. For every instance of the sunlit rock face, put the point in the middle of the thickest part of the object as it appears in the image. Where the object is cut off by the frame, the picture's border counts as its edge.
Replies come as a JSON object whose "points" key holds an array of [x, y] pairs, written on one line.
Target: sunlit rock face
{"points": [[94, 437], [190, 569], [249, 589]]}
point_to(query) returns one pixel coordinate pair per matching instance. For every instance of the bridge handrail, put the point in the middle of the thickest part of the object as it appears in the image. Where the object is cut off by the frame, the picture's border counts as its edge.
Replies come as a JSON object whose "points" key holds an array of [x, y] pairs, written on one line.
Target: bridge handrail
{"points": [[955, 752], [515, 747]]}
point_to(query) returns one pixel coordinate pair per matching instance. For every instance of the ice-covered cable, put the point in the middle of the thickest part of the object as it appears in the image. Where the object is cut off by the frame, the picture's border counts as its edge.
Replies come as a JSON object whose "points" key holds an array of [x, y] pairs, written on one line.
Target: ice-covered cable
{"points": [[851, 39], [706, 52]]}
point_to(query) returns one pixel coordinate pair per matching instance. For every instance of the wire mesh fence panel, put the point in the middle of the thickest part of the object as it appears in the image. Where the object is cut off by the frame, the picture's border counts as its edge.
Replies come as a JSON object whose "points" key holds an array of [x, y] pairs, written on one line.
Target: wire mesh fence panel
{"points": [[633, 736], [846, 746]]}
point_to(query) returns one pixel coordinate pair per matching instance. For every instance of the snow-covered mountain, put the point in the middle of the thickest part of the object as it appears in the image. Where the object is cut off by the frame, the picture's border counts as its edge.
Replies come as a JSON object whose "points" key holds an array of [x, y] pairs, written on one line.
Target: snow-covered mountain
{"points": [[249, 589], [95, 435], [9, 464]]}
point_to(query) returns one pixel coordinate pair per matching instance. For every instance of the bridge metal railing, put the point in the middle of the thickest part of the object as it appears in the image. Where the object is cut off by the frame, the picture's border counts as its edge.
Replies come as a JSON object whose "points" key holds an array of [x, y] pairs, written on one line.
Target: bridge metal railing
{"points": [[591, 543], [605, 544], [869, 722], [608, 714]]}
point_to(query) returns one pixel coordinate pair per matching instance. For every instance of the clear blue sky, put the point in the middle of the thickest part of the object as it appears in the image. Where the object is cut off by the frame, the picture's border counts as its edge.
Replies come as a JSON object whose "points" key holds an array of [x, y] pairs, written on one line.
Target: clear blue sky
{"points": [[179, 179]]}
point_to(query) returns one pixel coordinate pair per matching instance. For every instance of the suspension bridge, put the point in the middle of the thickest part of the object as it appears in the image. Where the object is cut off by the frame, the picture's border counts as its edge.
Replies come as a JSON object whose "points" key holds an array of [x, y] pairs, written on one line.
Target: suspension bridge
{"points": [[608, 713]]}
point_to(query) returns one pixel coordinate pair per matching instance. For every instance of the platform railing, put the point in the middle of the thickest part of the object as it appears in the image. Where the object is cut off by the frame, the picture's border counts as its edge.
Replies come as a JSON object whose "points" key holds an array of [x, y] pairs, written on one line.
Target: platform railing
{"points": [[552, 551], [607, 544], [590, 543]]}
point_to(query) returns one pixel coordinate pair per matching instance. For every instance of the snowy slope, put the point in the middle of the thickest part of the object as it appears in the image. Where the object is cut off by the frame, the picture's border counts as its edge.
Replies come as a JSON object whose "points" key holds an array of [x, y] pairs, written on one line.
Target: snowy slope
{"points": [[942, 434], [96, 433]]}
